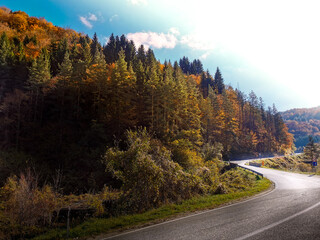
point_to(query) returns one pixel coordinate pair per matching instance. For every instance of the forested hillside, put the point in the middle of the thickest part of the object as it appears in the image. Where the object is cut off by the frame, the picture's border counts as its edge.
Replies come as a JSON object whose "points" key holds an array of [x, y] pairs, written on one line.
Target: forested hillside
{"points": [[302, 123], [65, 99], [78, 117]]}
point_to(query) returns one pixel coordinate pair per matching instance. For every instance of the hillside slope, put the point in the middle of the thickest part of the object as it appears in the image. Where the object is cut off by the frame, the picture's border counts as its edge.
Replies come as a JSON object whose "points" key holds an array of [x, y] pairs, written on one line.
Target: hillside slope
{"points": [[65, 99], [303, 122]]}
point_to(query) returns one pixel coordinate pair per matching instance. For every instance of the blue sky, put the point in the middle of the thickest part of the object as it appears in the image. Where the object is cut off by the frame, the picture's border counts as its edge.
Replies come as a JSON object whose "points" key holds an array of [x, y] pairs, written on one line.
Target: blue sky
{"points": [[271, 47]]}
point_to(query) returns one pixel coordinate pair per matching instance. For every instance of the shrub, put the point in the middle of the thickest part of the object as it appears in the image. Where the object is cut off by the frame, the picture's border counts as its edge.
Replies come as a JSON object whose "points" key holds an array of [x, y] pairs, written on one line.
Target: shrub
{"points": [[236, 179], [149, 177], [136, 168], [212, 151], [210, 174], [26, 204], [25, 207], [95, 202], [184, 155], [303, 167]]}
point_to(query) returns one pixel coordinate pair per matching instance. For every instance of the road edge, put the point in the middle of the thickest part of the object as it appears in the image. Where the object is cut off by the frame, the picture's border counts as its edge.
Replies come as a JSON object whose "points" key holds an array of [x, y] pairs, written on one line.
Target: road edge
{"points": [[181, 216]]}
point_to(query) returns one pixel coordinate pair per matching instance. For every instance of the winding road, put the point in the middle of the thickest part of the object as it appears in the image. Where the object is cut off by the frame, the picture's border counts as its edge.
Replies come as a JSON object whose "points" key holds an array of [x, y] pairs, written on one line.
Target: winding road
{"points": [[290, 211]]}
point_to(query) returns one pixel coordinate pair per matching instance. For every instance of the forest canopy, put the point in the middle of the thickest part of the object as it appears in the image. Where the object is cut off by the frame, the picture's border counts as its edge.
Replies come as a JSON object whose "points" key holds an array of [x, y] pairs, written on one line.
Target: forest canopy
{"points": [[65, 99]]}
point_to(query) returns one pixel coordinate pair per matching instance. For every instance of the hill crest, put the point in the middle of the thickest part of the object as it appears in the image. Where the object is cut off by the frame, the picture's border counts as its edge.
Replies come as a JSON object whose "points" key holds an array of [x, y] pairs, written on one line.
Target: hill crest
{"points": [[303, 122]]}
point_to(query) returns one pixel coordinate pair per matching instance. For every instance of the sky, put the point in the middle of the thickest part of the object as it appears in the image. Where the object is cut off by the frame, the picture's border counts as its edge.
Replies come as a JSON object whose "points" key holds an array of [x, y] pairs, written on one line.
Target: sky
{"points": [[271, 47]]}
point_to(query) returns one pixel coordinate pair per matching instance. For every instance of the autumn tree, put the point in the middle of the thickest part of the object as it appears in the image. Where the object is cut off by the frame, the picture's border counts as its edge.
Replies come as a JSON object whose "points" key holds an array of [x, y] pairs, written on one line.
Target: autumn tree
{"points": [[97, 77], [6, 57], [39, 76], [152, 90], [122, 94]]}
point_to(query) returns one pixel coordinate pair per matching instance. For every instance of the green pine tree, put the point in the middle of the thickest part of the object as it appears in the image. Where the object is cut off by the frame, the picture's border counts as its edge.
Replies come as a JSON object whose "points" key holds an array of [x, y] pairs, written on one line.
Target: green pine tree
{"points": [[39, 76], [218, 80]]}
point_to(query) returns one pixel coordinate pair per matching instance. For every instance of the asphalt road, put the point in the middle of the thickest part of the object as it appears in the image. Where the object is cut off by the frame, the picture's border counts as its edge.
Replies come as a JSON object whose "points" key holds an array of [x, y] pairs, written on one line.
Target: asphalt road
{"points": [[290, 211]]}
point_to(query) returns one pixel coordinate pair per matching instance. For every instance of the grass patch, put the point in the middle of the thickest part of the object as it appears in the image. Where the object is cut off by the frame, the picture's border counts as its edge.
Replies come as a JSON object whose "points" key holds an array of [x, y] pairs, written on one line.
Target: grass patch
{"points": [[294, 164], [96, 226], [294, 171]]}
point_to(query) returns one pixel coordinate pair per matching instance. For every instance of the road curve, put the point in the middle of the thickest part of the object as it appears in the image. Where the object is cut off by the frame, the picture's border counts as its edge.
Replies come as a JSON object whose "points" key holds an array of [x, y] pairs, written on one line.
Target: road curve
{"points": [[290, 211]]}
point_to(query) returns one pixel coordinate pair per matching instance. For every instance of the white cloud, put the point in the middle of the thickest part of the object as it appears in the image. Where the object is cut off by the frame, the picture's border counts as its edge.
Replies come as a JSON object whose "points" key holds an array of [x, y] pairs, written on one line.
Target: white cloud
{"points": [[89, 18], [86, 22], [92, 17], [138, 2], [114, 17], [153, 39], [171, 39]]}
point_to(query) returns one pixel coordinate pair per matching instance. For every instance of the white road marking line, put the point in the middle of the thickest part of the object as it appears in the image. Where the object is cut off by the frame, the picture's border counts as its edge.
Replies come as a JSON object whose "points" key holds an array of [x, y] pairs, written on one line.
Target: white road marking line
{"points": [[277, 223]]}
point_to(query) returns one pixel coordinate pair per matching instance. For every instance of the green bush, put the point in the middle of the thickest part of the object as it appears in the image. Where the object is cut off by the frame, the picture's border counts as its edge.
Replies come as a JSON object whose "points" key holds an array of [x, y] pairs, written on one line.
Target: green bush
{"points": [[236, 179], [212, 151], [149, 176], [185, 156]]}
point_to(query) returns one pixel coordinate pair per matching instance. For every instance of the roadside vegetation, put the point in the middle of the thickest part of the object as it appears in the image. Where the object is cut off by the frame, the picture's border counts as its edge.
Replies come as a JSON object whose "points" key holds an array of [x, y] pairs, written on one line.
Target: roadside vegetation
{"points": [[307, 162], [286, 163], [149, 179], [98, 226]]}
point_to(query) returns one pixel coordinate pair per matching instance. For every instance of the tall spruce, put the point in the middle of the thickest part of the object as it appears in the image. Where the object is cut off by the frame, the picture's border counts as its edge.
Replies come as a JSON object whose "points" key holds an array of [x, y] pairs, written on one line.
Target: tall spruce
{"points": [[122, 96], [312, 150], [109, 50], [219, 83], [95, 45]]}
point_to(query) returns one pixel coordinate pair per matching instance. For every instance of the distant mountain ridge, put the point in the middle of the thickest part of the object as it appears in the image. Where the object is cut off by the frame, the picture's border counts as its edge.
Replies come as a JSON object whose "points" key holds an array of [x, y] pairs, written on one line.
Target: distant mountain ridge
{"points": [[302, 114], [303, 122]]}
